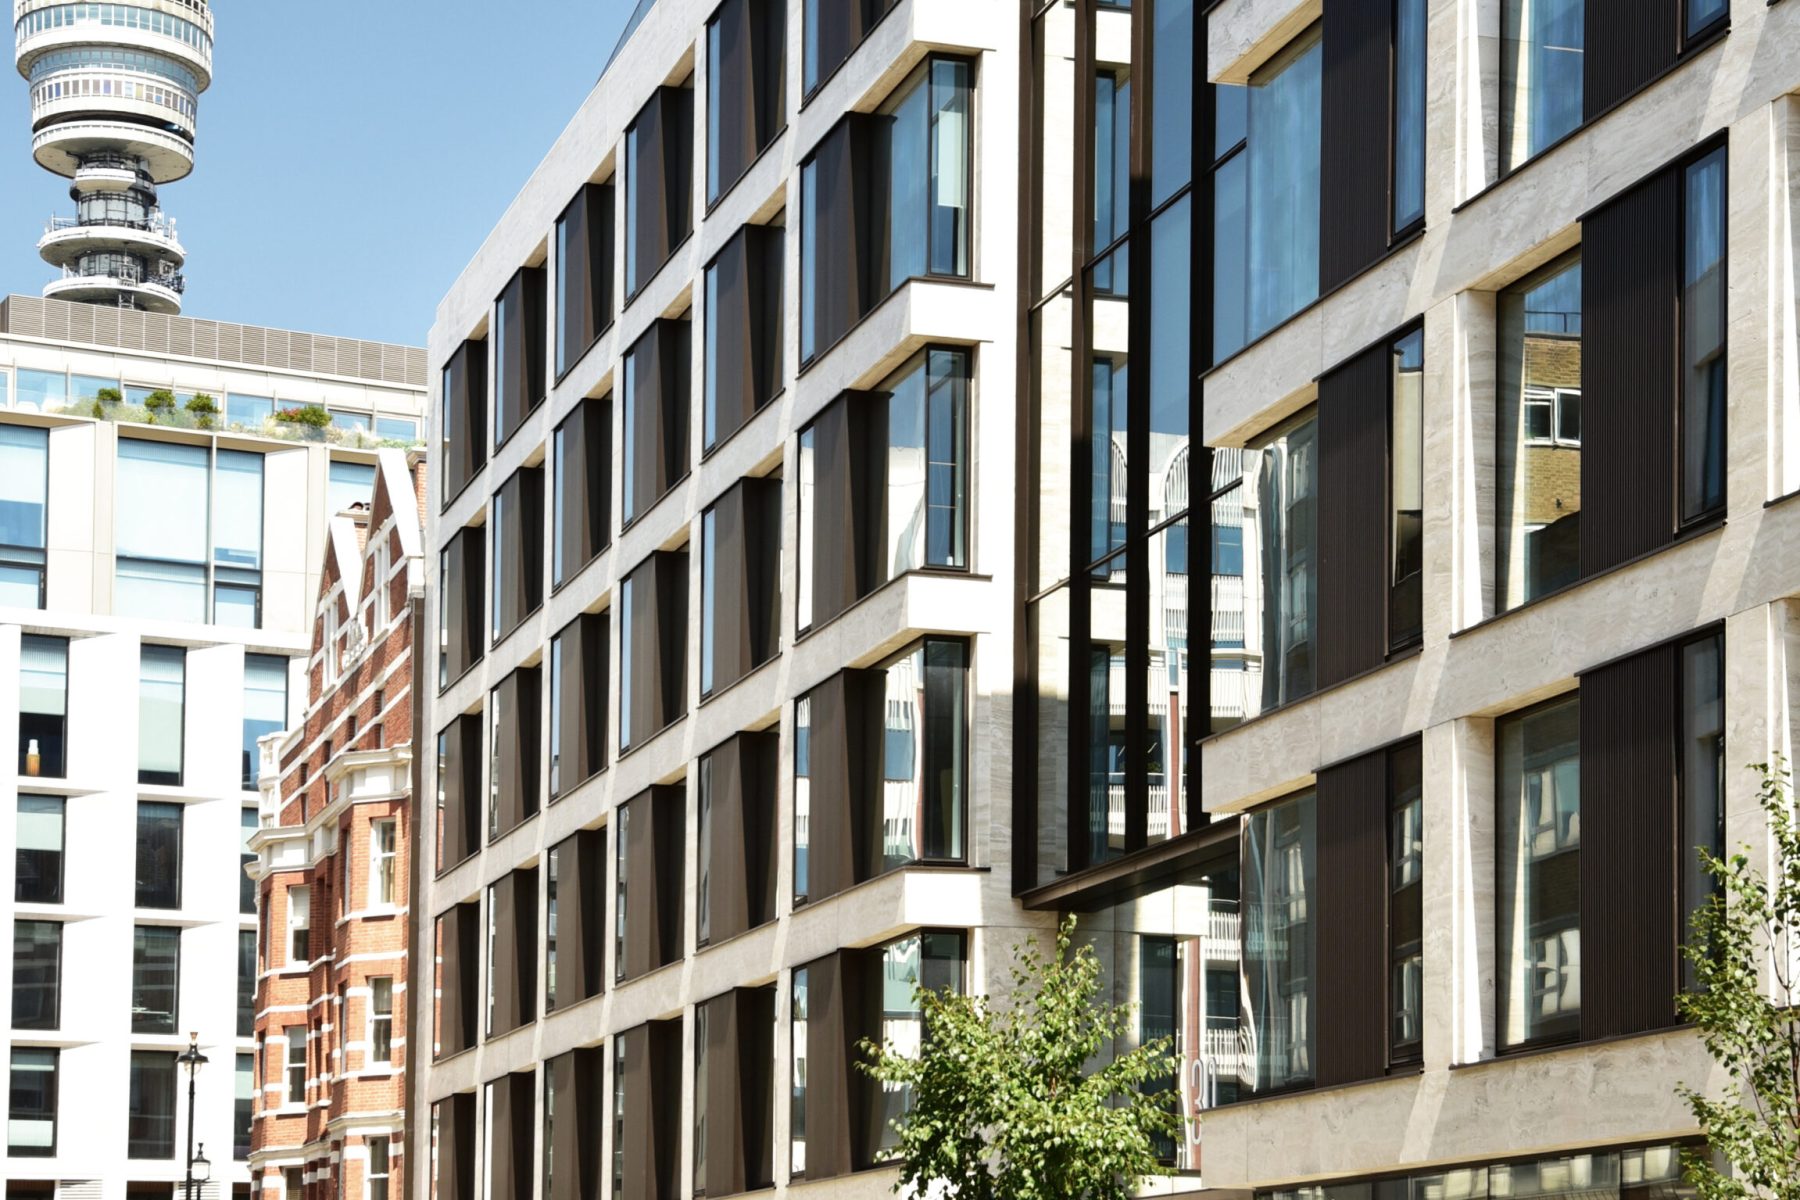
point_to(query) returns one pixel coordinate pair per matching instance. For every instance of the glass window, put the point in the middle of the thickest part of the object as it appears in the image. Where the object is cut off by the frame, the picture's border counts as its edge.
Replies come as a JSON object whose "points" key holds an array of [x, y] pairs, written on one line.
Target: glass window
{"points": [[161, 562], [38, 865], [1538, 874], [246, 983], [383, 855], [797, 1084], [1702, 766], [1112, 157], [41, 391], [158, 855], [924, 754], [1231, 221], [397, 429], [37, 975], [1703, 339], [708, 578], [356, 421], [1267, 616], [1541, 44], [927, 468], [24, 520], [802, 795], [265, 708], [43, 706], [31, 1109], [850, 23], [89, 387], [1406, 490], [243, 1110], [625, 668], [1172, 98], [1284, 185], [295, 1064], [247, 826], [155, 978], [351, 483], [1538, 457], [299, 925], [1280, 858], [803, 504], [1409, 112], [1406, 889], [809, 260], [151, 1129], [1702, 13], [237, 539], [378, 1170], [162, 698], [928, 174], [381, 1019], [248, 412]]}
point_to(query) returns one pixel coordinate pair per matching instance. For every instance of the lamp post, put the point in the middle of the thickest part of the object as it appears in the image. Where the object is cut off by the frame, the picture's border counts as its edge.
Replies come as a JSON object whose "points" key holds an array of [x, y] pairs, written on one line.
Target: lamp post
{"points": [[193, 1060]]}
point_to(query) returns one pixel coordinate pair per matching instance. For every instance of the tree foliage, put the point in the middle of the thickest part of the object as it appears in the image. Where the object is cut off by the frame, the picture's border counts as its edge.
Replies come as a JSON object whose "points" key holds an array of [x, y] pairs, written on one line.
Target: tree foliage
{"points": [[1023, 1102], [1753, 1032]]}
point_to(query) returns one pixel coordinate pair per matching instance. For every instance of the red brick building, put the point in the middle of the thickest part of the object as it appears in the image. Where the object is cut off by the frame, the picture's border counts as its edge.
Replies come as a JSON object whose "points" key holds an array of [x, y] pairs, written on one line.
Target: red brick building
{"points": [[332, 865]]}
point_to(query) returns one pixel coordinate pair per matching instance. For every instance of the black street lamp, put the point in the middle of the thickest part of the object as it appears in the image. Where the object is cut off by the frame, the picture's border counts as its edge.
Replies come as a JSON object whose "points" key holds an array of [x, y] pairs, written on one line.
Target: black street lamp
{"points": [[193, 1060]]}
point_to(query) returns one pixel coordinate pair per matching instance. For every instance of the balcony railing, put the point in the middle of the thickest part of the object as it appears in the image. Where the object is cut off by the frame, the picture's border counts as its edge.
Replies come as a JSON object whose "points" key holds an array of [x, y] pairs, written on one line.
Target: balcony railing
{"points": [[173, 281], [160, 225]]}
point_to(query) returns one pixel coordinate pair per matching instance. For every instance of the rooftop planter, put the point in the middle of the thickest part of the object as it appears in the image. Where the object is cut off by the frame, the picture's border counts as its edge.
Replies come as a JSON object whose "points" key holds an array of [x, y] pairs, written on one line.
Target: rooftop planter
{"points": [[308, 424]]}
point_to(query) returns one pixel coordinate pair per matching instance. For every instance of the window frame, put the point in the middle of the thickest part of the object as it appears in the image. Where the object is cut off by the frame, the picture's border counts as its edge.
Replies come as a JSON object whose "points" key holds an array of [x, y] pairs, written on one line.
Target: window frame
{"points": [[299, 926], [375, 1021], [19, 557], [62, 851], [380, 858], [290, 1063]]}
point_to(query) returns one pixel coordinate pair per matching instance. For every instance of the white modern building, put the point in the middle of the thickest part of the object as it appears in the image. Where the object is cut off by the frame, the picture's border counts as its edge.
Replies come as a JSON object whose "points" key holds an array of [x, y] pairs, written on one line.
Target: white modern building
{"points": [[158, 570], [115, 95]]}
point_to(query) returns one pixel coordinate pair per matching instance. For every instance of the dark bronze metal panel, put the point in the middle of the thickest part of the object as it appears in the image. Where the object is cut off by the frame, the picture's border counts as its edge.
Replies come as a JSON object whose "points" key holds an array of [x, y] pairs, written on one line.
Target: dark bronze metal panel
{"points": [[459, 948], [660, 176], [751, 80], [581, 932], [1353, 519], [746, 563], [584, 282], [658, 680], [456, 1147], [659, 412], [1627, 44], [654, 853], [522, 376], [848, 714], [577, 1082], [741, 834], [1630, 920], [746, 335], [515, 901], [459, 785], [1355, 133], [465, 416], [849, 486], [584, 485], [1630, 278], [850, 187], [738, 1091], [513, 1126], [517, 750], [1351, 909], [651, 1109], [829, 1045], [465, 593]]}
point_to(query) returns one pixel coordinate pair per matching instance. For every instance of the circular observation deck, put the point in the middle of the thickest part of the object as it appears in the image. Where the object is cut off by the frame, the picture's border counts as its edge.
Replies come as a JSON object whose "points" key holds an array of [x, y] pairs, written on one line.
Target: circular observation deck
{"points": [[67, 240], [160, 294]]}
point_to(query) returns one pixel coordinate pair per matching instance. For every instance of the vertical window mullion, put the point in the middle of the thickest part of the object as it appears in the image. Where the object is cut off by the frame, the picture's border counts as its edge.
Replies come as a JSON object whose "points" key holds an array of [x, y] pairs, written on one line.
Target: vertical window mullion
{"points": [[1137, 449], [1081, 439]]}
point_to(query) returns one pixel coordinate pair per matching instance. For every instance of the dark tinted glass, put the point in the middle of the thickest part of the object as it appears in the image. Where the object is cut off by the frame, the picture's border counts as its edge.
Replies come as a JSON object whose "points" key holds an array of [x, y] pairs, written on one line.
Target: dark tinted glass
{"points": [[43, 706], [155, 978], [151, 1129], [31, 1107], [38, 866], [159, 855], [1703, 339], [37, 974]]}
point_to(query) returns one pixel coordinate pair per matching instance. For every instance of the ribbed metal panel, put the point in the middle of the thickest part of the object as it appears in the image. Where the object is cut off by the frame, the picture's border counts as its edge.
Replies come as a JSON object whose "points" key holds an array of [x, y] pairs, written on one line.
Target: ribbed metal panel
{"points": [[1629, 921], [1627, 43], [1351, 908], [1354, 133], [1631, 272], [1353, 488]]}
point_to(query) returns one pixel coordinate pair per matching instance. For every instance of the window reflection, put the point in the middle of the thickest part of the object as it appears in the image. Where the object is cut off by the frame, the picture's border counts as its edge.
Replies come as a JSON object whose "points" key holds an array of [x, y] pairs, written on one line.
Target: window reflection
{"points": [[1538, 460], [1538, 875], [1703, 339], [1541, 45], [1280, 861]]}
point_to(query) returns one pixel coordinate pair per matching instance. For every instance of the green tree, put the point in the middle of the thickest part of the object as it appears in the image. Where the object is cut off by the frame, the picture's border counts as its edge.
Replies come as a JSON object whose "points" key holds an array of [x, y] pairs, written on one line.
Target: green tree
{"points": [[1022, 1102], [1751, 1031]]}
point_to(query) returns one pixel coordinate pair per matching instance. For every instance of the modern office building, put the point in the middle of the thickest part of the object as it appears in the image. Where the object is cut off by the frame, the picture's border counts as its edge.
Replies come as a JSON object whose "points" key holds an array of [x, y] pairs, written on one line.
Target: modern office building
{"points": [[1495, 335], [332, 867], [159, 569], [115, 95], [810, 570]]}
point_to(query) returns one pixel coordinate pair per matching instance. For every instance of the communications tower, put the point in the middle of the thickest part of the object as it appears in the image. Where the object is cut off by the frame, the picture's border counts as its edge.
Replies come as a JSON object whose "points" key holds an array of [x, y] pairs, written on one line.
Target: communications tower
{"points": [[115, 90]]}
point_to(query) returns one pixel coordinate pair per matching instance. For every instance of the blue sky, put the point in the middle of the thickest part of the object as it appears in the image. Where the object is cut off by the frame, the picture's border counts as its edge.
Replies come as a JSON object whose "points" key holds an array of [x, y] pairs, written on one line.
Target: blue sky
{"points": [[352, 154]]}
